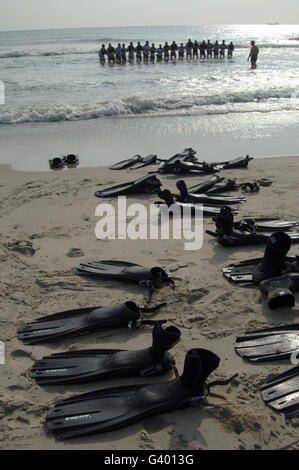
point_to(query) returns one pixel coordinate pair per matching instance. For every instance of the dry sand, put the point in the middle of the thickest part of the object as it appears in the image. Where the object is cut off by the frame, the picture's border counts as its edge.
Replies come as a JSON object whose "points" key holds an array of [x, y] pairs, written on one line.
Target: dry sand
{"points": [[47, 228]]}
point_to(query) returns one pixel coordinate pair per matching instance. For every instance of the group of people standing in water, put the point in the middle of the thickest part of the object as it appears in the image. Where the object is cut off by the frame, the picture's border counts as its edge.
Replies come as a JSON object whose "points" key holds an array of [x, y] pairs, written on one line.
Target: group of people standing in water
{"points": [[147, 52]]}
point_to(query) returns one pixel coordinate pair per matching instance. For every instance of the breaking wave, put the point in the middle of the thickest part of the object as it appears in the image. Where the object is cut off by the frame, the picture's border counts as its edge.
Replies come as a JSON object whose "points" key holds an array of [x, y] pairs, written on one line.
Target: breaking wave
{"points": [[272, 100], [38, 53]]}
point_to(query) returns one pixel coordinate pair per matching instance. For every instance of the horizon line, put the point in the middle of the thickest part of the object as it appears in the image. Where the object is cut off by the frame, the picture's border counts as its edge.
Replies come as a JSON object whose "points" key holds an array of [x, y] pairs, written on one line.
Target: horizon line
{"points": [[146, 26]]}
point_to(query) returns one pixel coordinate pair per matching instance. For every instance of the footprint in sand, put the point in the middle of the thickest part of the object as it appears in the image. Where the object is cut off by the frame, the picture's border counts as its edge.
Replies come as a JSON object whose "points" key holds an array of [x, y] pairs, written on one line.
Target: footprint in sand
{"points": [[20, 353], [75, 252], [24, 247], [196, 295]]}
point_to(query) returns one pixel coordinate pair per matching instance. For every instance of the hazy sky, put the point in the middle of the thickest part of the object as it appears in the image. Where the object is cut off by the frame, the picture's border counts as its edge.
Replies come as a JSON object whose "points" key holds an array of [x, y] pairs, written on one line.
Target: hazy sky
{"points": [[40, 14]]}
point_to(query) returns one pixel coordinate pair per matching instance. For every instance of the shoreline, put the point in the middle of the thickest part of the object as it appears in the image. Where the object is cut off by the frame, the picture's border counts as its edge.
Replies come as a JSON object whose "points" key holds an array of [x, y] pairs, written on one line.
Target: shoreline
{"points": [[9, 166], [53, 214]]}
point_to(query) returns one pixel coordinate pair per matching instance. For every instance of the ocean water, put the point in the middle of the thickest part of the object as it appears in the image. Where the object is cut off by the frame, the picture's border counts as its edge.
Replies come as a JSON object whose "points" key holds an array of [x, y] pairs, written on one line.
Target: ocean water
{"points": [[54, 76]]}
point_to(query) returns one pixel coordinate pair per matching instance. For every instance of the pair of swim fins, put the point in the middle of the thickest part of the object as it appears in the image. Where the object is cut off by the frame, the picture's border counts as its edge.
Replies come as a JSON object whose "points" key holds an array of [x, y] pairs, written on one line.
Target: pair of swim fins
{"points": [[239, 162], [242, 272], [167, 165], [276, 274], [248, 231], [186, 196], [58, 163], [216, 185], [135, 162], [187, 155], [231, 185], [186, 167], [273, 264], [108, 409], [146, 184], [79, 321], [168, 198], [89, 365], [124, 271], [281, 392]]}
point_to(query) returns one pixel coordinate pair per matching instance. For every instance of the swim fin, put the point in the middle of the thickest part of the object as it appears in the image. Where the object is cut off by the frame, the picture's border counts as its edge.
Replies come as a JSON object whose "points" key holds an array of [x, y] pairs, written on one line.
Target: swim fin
{"points": [[126, 163], [274, 257], [187, 155], [207, 210], [125, 271], [265, 225], [268, 344], [279, 290], [146, 184], [205, 185], [56, 163], [71, 160], [223, 186], [94, 364], [229, 237], [207, 199], [282, 392], [241, 273], [108, 409], [183, 167], [239, 162], [74, 322], [168, 165], [227, 234], [145, 161]]}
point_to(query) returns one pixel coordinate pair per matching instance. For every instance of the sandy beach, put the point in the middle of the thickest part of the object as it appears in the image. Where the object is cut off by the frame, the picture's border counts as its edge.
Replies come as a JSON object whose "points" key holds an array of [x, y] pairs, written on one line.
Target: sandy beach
{"points": [[48, 227]]}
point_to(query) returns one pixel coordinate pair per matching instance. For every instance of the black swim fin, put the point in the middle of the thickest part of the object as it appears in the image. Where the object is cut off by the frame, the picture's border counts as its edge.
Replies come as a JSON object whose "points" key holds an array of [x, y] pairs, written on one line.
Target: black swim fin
{"points": [[108, 409], [190, 207], [75, 322], [206, 199], [272, 263], [239, 162], [268, 344], [265, 225], [223, 186], [228, 235], [282, 392], [146, 184], [187, 155], [205, 185], [241, 273], [126, 163], [56, 163], [145, 161], [94, 364], [166, 165], [71, 160], [125, 271], [183, 167]]}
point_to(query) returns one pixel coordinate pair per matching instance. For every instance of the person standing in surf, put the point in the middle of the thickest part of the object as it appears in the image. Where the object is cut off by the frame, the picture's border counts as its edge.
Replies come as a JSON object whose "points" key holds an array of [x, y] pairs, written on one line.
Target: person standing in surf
{"points": [[102, 53], [230, 49], [254, 50]]}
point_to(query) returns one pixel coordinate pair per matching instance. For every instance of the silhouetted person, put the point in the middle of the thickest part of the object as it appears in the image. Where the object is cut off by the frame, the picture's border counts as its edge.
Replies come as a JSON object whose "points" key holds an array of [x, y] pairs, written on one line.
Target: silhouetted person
{"points": [[102, 53], [230, 49], [254, 50], [173, 49]]}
